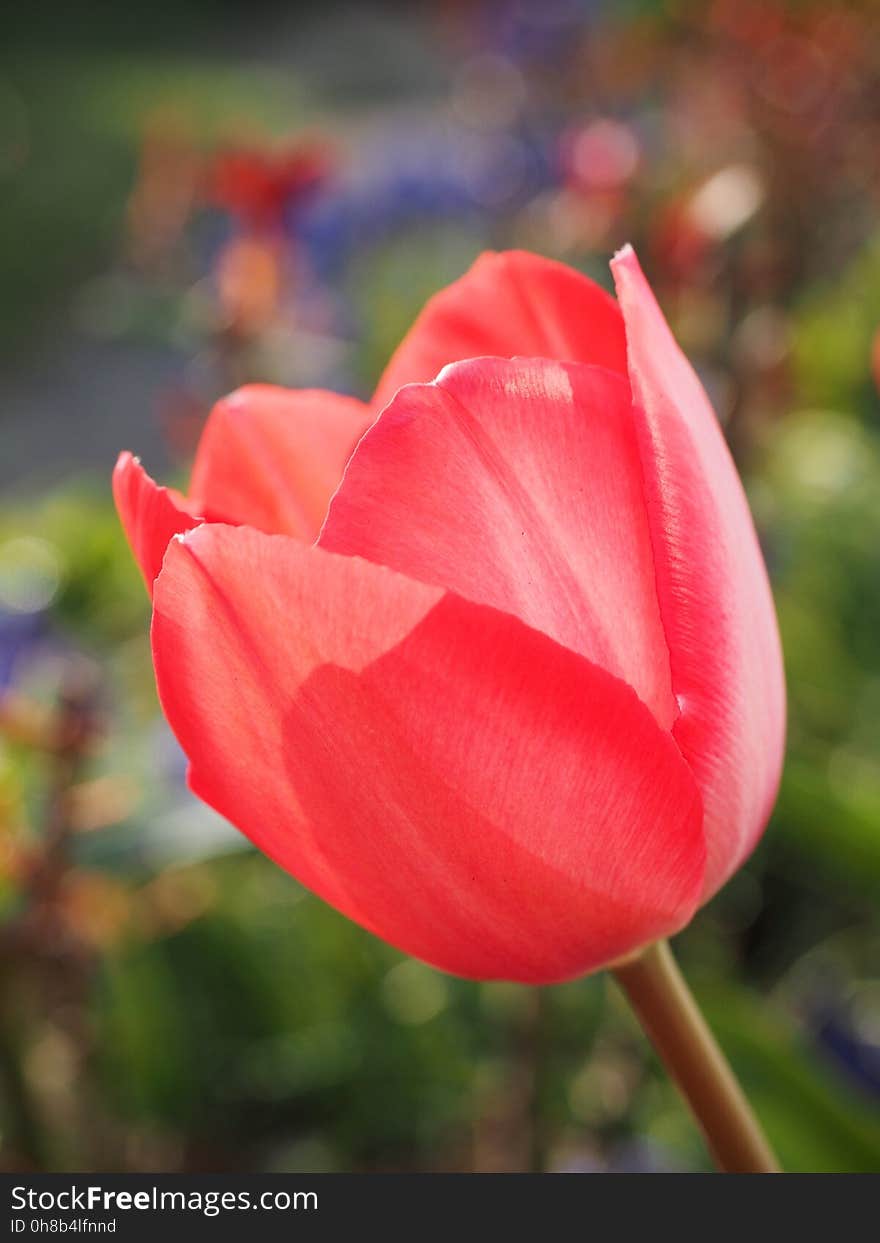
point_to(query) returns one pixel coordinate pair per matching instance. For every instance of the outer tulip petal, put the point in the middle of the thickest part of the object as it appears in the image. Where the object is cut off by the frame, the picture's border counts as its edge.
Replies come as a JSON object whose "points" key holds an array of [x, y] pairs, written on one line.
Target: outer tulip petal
{"points": [[456, 782], [509, 303], [150, 515], [714, 595], [518, 484], [272, 457]]}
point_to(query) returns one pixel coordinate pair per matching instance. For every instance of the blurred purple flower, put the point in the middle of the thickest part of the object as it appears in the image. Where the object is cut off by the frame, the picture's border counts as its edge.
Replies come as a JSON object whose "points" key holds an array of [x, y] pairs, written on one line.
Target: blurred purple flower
{"points": [[838, 1035]]}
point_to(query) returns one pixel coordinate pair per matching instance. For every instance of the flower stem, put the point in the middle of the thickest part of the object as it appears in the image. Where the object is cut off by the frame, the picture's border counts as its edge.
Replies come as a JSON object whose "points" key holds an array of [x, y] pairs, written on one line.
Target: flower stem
{"points": [[669, 1014]]}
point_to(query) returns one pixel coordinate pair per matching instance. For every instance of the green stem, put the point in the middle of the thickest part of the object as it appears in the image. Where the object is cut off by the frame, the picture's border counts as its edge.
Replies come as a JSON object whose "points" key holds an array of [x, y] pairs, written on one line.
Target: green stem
{"points": [[666, 1009]]}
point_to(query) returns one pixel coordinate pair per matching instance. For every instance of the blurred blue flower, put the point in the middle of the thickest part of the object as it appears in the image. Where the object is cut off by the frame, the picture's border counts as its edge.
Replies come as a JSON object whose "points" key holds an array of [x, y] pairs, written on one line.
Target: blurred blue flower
{"points": [[838, 1036], [20, 633], [535, 33]]}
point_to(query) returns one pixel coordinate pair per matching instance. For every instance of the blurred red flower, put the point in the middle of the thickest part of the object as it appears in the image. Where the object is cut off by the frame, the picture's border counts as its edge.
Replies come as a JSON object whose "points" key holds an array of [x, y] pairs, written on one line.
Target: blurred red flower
{"points": [[519, 709], [257, 187]]}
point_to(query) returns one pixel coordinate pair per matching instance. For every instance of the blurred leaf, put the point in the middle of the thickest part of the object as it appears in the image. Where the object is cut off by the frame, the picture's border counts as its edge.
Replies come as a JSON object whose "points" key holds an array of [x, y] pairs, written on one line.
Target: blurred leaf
{"points": [[814, 1120], [837, 829], [834, 328]]}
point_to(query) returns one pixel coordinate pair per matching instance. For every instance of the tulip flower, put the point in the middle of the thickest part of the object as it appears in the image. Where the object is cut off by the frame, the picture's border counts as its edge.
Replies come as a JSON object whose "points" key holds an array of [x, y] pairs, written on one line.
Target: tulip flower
{"points": [[508, 691]]}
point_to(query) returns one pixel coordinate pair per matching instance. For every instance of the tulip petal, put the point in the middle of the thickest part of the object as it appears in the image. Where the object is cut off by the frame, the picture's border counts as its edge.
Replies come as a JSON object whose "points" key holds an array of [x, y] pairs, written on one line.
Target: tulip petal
{"points": [[452, 780], [507, 304], [518, 484], [150, 515], [712, 585], [272, 457]]}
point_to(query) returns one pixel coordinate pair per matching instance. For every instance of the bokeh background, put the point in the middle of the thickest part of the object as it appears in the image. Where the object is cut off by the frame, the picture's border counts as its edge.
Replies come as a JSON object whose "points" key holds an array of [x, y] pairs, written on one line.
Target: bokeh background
{"points": [[193, 195]]}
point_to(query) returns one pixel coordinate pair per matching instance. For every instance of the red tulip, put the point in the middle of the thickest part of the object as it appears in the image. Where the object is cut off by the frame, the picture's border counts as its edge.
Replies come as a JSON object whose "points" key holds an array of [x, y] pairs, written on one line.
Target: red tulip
{"points": [[520, 709]]}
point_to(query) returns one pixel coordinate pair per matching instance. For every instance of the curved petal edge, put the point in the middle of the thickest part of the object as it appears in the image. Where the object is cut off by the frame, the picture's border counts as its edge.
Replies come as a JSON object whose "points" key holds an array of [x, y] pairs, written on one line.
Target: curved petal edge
{"points": [[518, 484], [150, 515], [714, 594], [272, 457], [509, 303], [452, 780]]}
